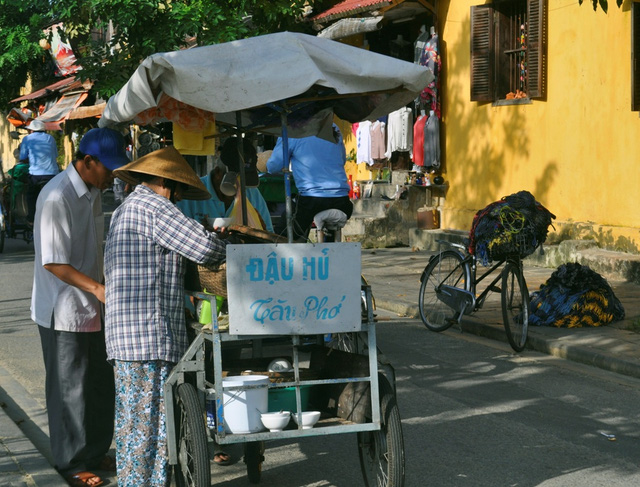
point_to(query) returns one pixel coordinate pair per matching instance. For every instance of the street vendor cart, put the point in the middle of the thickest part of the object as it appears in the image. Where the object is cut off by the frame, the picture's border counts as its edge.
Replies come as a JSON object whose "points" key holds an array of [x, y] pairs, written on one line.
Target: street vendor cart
{"points": [[292, 304], [283, 301]]}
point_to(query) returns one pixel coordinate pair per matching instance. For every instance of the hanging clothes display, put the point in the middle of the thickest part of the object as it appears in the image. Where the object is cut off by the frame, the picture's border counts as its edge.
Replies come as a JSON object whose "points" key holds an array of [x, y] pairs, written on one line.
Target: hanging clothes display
{"points": [[363, 138], [430, 57], [432, 142], [420, 43], [399, 131], [377, 140], [418, 140]]}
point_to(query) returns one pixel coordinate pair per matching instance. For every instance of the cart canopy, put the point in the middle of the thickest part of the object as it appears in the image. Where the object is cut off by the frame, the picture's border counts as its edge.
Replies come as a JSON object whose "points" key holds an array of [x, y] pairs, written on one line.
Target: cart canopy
{"points": [[313, 77]]}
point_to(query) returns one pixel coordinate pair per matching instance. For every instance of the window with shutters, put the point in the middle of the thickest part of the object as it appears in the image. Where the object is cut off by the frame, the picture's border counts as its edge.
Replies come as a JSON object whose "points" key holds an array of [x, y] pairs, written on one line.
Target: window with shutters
{"points": [[508, 51]]}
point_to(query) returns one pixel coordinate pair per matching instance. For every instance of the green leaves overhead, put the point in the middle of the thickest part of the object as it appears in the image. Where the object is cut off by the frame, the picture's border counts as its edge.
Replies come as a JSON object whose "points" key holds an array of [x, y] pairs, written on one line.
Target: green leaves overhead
{"points": [[142, 27], [111, 37], [20, 31]]}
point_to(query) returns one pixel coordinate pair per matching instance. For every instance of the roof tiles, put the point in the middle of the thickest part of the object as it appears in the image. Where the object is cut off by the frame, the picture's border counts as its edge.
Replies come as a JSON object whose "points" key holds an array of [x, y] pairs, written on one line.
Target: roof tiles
{"points": [[349, 7]]}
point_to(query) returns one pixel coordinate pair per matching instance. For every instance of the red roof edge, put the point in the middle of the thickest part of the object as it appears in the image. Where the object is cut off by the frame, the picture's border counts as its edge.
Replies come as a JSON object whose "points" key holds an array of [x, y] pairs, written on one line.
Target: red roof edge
{"points": [[349, 7]]}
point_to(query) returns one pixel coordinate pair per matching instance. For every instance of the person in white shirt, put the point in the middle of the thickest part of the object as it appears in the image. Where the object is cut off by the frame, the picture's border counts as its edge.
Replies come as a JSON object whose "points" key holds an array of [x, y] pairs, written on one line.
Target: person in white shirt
{"points": [[66, 303]]}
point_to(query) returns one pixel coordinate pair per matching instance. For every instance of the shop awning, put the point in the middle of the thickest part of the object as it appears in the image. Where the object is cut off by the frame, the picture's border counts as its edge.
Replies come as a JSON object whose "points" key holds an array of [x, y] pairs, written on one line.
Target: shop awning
{"points": [[348, 27], [61, 110], [249, 78], [48, 90], [87, 112]]}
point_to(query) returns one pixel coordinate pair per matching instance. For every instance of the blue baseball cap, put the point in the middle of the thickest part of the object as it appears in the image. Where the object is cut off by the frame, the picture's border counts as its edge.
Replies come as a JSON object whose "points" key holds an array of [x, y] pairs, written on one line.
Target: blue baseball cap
{"points": [[106, 145]]}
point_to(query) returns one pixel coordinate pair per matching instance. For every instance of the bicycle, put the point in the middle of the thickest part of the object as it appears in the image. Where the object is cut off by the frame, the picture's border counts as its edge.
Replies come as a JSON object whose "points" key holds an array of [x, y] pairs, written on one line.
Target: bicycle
{"points": [[448, 291]]}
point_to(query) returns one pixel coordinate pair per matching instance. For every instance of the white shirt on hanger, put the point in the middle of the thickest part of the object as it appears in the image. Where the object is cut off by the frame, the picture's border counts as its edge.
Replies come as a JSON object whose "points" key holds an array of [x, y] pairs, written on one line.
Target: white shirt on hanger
{"points": [[399, 131]]}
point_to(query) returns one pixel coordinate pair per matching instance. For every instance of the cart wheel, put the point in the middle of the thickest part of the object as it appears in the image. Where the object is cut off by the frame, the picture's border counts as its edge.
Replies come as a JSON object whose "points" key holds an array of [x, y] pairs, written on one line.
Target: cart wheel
{"points": [[253, 458], [193, 469], [382, 452]]}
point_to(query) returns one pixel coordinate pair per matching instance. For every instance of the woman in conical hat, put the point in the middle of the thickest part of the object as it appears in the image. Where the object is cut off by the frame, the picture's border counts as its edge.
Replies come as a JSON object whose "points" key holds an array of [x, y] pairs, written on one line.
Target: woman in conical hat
{"points": [[169, 165], [149, 240]]}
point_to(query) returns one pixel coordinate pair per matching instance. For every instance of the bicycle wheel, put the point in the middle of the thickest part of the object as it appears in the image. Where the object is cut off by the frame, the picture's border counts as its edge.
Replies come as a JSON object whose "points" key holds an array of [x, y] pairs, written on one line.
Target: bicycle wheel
{"points": [[444, 268], [381, 452], [515, 305], [253, 458], [193, 469]]}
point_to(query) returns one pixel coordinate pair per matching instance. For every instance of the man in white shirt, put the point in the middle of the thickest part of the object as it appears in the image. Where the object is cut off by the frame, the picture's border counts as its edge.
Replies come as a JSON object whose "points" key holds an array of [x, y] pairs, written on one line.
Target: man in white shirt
{"points": [[68, 293]]}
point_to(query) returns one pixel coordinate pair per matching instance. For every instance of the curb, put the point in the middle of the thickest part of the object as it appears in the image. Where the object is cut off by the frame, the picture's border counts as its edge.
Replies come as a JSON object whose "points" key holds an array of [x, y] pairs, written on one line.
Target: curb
{"points": [[549, 346]]}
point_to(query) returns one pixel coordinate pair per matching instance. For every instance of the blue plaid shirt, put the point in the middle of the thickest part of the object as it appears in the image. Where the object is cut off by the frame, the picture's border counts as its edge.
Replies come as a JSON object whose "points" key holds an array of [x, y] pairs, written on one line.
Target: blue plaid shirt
{"points": [[145, 255]]}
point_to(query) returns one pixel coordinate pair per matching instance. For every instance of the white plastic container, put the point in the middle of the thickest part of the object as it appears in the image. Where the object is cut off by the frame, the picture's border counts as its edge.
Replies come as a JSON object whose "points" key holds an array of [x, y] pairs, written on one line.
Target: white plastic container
{"points": [[242, 408]]}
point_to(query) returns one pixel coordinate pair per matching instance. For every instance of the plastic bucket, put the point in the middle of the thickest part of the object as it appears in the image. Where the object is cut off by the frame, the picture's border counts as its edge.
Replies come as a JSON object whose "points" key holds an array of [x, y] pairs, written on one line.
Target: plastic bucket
{"points": [[284, 399], [242, 408]]}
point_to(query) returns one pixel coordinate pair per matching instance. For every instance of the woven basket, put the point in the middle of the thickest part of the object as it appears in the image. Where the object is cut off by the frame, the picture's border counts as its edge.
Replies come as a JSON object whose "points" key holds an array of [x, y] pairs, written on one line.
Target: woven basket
{"points": [[212, 279]]}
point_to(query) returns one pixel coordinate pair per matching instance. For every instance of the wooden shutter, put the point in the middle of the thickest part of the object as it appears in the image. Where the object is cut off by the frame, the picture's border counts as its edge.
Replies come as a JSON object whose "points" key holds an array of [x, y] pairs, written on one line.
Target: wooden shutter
{"points": [[482, 53], [537, 48], [635, 56]]}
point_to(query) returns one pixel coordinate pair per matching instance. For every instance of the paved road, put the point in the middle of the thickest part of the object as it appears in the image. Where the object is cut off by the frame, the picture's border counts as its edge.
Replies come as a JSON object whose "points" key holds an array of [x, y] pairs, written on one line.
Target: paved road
{"points": [[474, 414]]}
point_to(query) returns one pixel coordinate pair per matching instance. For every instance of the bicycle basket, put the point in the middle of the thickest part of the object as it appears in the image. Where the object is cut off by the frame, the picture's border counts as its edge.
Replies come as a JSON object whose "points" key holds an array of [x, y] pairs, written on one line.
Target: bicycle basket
{"points": [[512, 227]]}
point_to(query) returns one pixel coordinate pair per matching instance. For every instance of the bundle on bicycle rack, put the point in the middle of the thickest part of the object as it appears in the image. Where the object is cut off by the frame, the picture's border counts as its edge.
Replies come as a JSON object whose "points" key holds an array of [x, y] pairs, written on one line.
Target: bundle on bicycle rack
{"points": [[514, 226], [575, 296]]}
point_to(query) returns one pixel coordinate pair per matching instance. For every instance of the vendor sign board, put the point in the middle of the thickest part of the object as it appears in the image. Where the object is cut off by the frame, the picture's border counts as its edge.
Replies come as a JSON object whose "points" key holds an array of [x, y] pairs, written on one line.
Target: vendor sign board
{"points": [[293, 289]]}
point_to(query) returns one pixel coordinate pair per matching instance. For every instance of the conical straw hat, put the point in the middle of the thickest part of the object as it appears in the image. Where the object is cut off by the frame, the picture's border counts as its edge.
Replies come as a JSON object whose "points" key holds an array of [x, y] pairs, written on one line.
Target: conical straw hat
{"points": [[165, 163]]}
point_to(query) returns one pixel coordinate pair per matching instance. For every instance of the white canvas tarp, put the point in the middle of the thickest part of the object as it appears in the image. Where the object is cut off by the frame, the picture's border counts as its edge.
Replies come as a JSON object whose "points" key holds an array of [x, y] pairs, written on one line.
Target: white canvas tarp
{"points": [[247, 74]]}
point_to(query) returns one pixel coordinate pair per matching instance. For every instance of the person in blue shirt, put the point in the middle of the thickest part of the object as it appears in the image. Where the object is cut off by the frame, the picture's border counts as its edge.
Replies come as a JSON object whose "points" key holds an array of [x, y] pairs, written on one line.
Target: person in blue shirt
{"points": [[40, 150], [220, 182], [318, 171]]}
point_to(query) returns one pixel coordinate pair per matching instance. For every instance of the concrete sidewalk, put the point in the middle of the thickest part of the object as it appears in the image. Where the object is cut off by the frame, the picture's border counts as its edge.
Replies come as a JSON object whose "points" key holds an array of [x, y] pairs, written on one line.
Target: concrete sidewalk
{"points": [[394, 276], [21, 463]]}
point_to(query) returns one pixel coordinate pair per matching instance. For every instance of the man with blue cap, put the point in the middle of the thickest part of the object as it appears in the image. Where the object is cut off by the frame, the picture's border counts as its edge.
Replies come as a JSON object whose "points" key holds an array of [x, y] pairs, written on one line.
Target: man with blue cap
{"points": [[67, 304]]}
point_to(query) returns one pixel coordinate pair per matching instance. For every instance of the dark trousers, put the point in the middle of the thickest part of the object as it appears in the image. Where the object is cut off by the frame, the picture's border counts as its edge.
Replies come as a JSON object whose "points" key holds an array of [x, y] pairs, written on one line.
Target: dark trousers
{"points": [[309, 206], [80, 394], [36, 183]]}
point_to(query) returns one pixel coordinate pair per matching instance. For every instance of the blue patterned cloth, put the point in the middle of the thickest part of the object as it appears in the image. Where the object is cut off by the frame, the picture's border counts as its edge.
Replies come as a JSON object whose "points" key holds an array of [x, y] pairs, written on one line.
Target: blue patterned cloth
{"points": [[214, 208], [145, 253], [141, 436]]}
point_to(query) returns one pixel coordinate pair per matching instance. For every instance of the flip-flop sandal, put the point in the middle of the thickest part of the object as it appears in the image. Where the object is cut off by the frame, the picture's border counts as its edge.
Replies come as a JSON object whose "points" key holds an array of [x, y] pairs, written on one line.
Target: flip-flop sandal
{"points": [[218, 458], [82, 479]]}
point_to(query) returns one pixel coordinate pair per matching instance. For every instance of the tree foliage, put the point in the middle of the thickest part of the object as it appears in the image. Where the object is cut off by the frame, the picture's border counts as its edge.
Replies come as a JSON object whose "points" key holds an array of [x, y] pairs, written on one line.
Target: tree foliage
{"points": [[21, 26], [138, 29], [144, 27]]}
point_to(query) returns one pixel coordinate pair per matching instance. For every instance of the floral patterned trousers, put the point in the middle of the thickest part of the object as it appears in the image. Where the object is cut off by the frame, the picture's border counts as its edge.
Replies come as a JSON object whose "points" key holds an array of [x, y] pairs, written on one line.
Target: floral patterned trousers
{"points": [[140, 431]]}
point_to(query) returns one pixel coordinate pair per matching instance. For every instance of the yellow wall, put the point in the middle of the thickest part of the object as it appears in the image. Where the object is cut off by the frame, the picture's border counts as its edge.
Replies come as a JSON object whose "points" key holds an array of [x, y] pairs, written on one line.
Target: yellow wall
{"points": [[7, 145], [576, 152]]}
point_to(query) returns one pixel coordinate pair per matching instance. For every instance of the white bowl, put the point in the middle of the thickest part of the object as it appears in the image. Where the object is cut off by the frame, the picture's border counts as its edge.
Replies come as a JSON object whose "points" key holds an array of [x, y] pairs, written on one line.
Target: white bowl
{"points": [[275, 421], [309, 418], [219, 222]]}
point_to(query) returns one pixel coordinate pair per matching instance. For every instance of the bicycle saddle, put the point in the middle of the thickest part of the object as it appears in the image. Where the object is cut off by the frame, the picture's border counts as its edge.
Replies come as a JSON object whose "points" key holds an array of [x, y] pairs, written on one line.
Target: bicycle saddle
{"points": [[331, 219]]}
